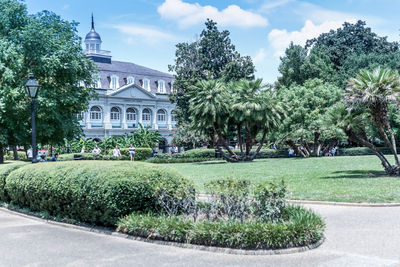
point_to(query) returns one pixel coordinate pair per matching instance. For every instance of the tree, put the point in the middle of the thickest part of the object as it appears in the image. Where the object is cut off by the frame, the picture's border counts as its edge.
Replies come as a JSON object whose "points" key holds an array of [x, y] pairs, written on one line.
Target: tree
{"points": [[212, 56], [374, 91], [49, 47], [351, 39], [306, 107], [297, 66], [242, 110]]}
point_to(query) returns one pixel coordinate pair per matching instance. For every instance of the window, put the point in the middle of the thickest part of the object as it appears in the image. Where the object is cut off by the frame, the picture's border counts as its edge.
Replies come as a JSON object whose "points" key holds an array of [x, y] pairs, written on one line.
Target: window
{"points": [[96, 113], [161, 115], [131, 114], [146, 115], [146, 84], [97, 47], [114, 82], [172, 88], [130, 80], [173, 116], [80, 116], [161, 86], [115, 114]]}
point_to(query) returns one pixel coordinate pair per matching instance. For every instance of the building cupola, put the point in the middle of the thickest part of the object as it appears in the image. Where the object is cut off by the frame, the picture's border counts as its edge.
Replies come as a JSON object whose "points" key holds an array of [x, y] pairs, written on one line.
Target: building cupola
{"points": [[93, 47]]}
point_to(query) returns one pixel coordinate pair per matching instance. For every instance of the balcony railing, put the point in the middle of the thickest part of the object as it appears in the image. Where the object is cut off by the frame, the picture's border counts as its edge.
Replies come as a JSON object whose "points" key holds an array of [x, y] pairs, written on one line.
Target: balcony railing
{"points": [[98, 52]]}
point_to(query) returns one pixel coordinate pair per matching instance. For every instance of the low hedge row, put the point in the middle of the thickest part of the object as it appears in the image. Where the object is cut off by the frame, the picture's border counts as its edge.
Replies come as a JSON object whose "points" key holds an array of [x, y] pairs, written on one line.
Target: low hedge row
{"points": [[142, 153], [194, 155], [10, 155], [178, 160], [301, 227], [5, 170], [92, 192]]}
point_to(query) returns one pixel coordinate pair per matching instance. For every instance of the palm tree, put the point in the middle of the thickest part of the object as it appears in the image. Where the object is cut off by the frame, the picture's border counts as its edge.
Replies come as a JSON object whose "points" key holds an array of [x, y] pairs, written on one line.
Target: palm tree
{"points": [[216, 109], [374, 90]]}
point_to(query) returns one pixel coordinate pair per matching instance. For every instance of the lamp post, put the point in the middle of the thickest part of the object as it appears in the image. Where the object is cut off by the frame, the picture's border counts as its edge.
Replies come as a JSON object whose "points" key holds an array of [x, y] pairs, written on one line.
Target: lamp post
{"points": [[32, 88]]}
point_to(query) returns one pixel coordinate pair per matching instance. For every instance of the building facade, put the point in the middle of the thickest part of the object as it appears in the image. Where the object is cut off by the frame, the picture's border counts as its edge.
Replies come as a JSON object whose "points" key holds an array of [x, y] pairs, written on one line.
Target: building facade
{"points": [[128, 95]]}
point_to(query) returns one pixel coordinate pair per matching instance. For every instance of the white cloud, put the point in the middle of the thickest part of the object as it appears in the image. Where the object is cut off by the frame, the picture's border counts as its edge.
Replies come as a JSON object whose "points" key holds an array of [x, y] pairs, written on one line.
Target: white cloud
{"points": [[66, 7], [144, 33], [260, 56], [274, 4], [187, 14], [280, 39]]}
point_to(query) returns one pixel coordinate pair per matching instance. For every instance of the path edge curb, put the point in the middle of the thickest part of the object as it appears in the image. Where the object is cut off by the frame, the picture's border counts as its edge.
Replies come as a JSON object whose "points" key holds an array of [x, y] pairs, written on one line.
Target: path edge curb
{"points": [[329, 203], [110, 232]]}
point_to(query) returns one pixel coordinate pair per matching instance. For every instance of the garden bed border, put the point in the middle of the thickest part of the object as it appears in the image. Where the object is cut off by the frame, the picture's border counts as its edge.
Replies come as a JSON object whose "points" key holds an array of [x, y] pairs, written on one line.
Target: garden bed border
{"points": [[110, 232]]}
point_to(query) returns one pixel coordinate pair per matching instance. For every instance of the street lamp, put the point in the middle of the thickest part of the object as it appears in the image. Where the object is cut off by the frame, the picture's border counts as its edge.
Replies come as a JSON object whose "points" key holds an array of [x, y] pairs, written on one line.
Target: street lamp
{"points": [[32, 88]]}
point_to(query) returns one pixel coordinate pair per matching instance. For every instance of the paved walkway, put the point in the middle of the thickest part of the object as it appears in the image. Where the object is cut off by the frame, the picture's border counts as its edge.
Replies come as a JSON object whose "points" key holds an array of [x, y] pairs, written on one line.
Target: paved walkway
{"points": [[356, 236]]}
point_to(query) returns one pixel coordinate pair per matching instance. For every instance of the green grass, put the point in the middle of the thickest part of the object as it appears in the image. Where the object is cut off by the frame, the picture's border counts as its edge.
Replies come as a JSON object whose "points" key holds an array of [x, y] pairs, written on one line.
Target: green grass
{"points": [[343, 179]]}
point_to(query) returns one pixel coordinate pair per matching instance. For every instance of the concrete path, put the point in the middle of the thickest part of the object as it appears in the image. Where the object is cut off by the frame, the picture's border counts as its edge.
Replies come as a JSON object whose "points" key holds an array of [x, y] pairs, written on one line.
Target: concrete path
{"points": [[356, 236]]}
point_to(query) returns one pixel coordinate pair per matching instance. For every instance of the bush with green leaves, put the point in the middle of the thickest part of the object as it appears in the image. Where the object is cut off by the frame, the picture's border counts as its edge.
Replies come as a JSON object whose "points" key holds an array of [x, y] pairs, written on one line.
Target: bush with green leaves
{"points": [[142, 153], [269, 200], [5, 170], [92, 192], [301, 227], [193, 155]]}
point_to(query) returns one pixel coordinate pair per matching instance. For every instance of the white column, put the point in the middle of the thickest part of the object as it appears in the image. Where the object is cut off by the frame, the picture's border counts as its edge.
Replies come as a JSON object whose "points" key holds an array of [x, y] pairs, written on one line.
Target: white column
{"points": [[123, 114], [169, 119], [140, 115], [106, 113], [87, 120], [154, 126]]}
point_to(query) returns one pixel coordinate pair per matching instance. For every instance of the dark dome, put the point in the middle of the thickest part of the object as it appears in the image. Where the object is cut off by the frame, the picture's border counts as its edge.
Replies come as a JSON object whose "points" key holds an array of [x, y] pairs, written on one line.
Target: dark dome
{"points": [[92, 35]]}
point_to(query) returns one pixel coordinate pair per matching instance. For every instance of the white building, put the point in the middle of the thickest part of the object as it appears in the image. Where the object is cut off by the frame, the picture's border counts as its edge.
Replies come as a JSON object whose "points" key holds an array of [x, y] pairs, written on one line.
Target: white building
{"points": [[129, 94]]}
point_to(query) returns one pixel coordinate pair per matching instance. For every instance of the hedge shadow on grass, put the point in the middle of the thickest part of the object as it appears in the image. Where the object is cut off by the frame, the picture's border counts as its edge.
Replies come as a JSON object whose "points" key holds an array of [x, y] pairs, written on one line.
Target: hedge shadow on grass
{"points": [[357, 174]]}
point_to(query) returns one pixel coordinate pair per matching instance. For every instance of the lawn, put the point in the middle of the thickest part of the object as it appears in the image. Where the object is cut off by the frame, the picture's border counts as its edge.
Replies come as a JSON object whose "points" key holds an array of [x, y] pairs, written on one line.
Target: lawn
{"points": [[344, 179]]}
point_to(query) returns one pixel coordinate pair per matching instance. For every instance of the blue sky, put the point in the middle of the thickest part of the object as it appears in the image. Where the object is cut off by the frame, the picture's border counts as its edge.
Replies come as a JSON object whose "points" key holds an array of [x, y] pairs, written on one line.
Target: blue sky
{"points": [[146, 32]]}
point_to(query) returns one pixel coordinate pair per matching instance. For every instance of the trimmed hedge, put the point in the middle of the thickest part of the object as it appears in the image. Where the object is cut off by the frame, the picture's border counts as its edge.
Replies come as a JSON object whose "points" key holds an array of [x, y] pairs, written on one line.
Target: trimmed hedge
{"points": [[194, 155], [301, 227], [10, 155], [5, 170], [142, 153], [92, 192]]}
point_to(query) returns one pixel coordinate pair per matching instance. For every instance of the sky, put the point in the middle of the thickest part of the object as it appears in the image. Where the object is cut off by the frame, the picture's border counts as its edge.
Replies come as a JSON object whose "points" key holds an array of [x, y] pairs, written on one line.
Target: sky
{"points": [[146, 32]]}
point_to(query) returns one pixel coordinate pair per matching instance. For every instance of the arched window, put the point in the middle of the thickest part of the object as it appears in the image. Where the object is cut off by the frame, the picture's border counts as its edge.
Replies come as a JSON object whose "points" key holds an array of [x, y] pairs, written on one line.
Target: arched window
{"points": [[130, 80], [161, 86], [146, 115], [161, 116], [146, 84], [114, 82], [115, 114], [131, 114], [173, 114], [96, 113]]}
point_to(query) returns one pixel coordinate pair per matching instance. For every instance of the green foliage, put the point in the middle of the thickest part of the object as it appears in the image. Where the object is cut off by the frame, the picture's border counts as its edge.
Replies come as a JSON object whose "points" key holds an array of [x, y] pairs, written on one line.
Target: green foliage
{"points": [[213, 56], [186, 137], [92, 192], [10, 155], [5, 170], [193, 155], [252, 110], [302, 227], [269, 200], [142, 153], [50, 48]]}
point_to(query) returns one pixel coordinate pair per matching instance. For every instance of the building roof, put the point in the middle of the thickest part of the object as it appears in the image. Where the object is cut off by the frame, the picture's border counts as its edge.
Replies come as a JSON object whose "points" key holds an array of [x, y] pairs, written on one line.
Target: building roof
{"points": [[92, 35], [131, 68]]}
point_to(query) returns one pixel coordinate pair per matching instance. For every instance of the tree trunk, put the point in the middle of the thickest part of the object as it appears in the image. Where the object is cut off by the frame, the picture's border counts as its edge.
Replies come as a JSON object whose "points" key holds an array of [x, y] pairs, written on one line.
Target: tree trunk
{"points": [[1, 154], [260, 146], [15, 151], [240, 139], [295, 148], [225, 145], [306, 149], [393, 139], [248, 141], [316, 143], [389, 169]]}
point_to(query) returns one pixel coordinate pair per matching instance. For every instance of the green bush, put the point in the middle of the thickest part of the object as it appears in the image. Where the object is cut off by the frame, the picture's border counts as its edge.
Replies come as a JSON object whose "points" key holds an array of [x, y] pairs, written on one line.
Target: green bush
{"points": [[142, 153], [194, 155], [10, 155], [302, 227], [92, 192], [5, 170]]}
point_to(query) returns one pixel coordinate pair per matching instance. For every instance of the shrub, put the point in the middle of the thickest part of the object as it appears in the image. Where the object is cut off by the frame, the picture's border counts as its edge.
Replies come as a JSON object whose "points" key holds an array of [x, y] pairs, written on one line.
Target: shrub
{"points": [[194, 155], [178, 160], [269, 200], [10, 155], [141, 153], [301, 228], [92, 192], [5, 170]]}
